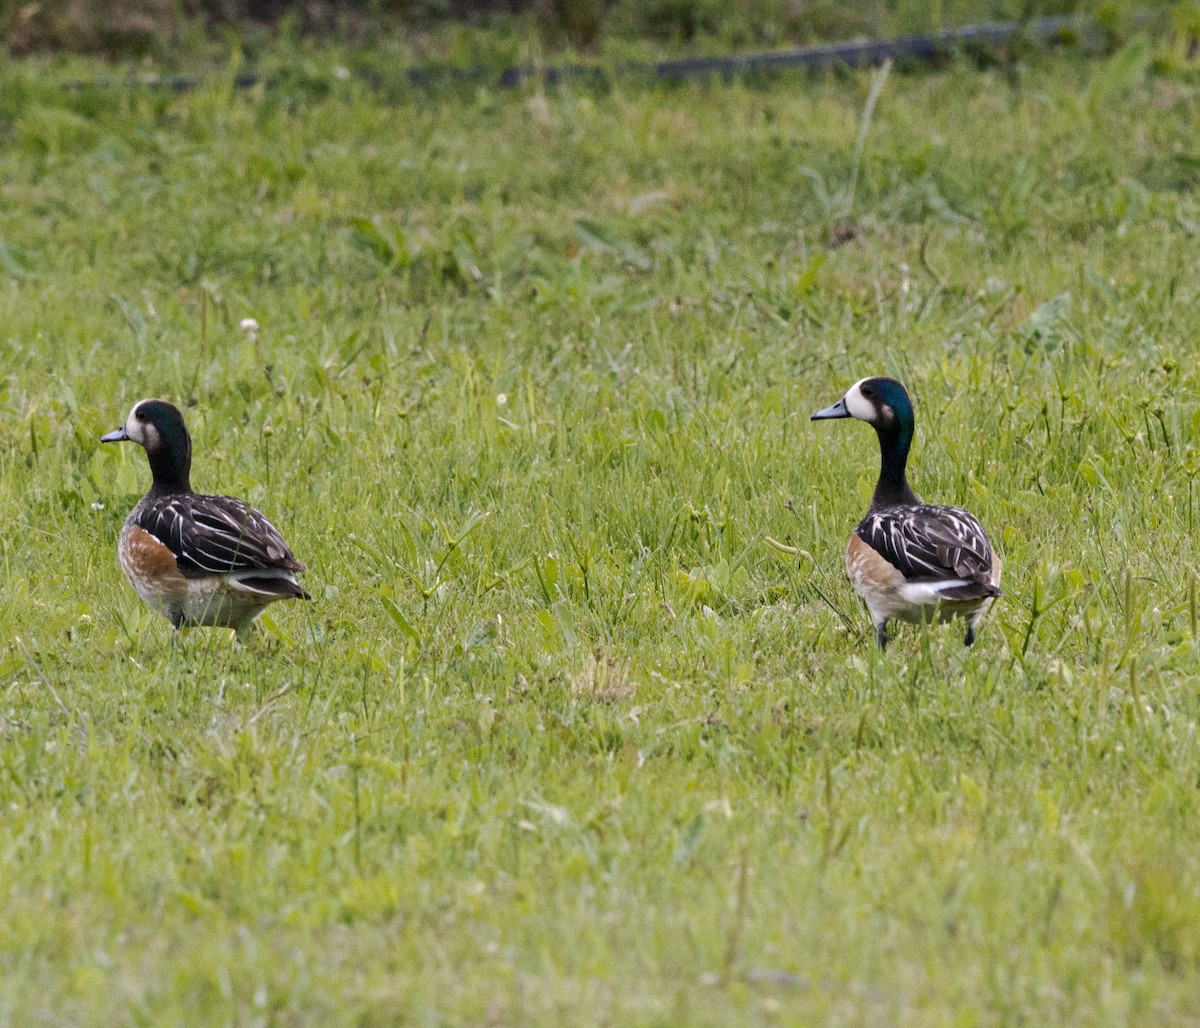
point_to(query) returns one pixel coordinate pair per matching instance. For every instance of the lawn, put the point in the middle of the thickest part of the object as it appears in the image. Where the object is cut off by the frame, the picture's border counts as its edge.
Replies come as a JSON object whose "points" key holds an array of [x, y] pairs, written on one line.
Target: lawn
{"points": [[563, 738]]}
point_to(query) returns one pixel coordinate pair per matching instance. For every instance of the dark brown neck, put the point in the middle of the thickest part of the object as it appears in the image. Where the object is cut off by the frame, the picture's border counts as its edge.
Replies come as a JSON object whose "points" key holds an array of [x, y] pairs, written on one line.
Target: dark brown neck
{"points": [[171, 467], [892, 489]]}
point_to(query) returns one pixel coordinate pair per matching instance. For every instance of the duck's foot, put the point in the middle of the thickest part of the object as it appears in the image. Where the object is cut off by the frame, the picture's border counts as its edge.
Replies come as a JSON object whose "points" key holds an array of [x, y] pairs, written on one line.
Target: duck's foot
{"points": [[969, 638], [881, 635]]}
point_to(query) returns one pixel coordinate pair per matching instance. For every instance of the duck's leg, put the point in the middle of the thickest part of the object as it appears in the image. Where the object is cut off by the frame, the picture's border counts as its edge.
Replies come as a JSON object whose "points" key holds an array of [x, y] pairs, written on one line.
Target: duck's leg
{"points": [[881, 634], [176, 619], [973, 623]]}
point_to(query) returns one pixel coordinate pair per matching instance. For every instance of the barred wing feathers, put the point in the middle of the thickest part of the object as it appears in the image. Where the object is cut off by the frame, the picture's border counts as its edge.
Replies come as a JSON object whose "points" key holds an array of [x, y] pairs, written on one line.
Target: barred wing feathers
{"points": [[932, 544], [217, 535]]}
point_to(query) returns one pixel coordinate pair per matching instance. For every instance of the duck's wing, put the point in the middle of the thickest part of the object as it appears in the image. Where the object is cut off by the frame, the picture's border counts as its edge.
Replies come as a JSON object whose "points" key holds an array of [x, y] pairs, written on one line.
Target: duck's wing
{"points": [[215, 535], [928, 543]]}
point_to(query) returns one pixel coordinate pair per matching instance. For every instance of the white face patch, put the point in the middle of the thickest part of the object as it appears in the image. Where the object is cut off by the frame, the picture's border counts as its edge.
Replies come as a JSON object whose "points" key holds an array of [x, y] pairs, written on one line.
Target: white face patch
{"points": [[141, 432], [858, 405]]}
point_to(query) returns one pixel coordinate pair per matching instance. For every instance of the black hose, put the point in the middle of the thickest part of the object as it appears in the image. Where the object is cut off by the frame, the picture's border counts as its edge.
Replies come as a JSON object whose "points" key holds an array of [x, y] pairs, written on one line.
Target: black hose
{"points": [[925, 47]]}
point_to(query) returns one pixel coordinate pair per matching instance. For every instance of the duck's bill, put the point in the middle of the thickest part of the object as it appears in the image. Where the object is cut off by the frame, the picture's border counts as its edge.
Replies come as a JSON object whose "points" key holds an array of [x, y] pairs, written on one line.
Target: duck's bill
{"points": [[117, 436], [838, 410]]}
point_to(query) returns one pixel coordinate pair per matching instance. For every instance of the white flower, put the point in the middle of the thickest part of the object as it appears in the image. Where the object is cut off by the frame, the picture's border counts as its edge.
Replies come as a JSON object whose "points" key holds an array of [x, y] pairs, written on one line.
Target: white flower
{"points": [[249, 325], [501, 399]]}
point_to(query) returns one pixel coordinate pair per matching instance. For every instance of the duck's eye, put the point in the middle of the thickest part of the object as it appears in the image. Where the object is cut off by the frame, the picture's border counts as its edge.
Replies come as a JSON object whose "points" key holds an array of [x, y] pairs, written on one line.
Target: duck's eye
{"points": [[140, 415], [867, 391]]}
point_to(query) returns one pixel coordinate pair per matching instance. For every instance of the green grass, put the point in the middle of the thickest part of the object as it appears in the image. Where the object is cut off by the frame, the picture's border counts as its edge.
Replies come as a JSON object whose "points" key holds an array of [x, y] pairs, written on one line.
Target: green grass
{"points": [[562, 739]]}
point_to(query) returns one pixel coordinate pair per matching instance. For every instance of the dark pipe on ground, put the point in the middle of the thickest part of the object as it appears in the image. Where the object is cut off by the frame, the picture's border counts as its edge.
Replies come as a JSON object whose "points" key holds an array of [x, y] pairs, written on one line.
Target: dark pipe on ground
{"points": [[856, 54]]}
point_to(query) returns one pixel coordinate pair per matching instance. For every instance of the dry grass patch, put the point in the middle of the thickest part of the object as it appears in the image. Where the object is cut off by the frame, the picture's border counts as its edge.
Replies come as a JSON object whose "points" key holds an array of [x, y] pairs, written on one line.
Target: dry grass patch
{"points": [[605, 679]]}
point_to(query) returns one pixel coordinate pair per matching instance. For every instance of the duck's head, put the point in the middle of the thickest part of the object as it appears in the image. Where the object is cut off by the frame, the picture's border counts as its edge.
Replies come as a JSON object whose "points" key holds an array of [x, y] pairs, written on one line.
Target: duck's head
{"points": [[881, 402], [157, 426]]}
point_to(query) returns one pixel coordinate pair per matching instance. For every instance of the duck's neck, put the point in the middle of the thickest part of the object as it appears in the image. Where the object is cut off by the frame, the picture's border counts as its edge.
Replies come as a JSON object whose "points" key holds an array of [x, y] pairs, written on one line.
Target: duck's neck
{"points": [[892, 489], [171, 466]]}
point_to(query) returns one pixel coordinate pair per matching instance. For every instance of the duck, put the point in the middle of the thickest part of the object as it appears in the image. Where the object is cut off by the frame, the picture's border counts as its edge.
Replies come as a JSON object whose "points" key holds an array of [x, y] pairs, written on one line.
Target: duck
{"points": [[908, 560], [195, 559]]}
